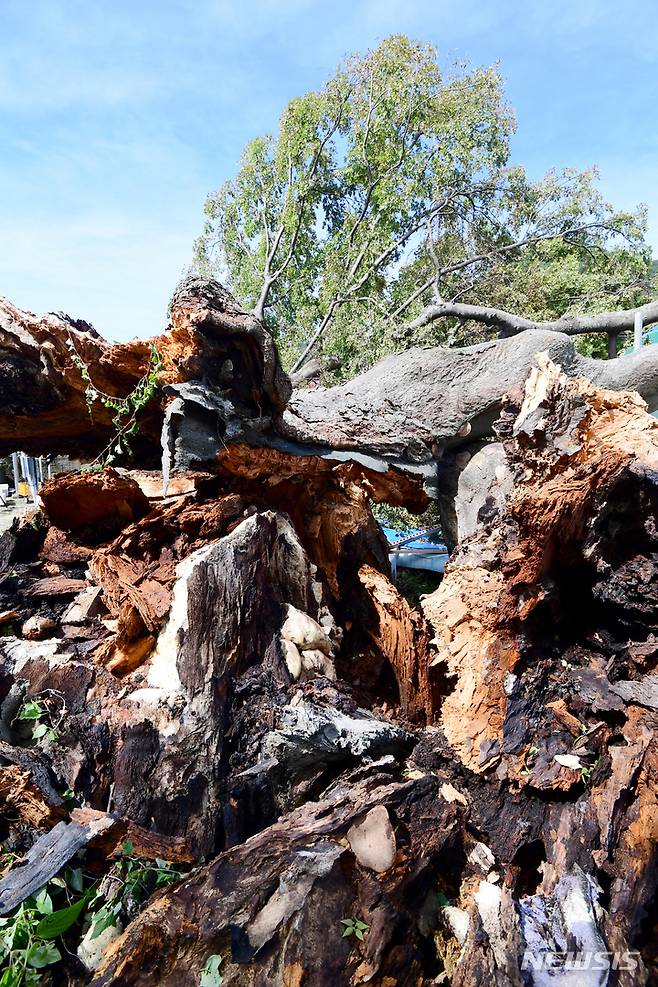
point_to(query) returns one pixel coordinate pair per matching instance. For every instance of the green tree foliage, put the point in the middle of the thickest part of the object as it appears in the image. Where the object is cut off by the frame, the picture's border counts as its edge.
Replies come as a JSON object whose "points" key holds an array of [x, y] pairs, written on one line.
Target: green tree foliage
{"points": [[392, 187]]}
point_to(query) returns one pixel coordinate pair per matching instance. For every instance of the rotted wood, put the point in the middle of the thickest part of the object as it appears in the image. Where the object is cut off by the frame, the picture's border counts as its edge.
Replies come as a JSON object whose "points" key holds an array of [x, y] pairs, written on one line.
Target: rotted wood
{"points": [[228, 600], [538, 622], [311, 873], [238, 677], [21, 800], [43, 391]]}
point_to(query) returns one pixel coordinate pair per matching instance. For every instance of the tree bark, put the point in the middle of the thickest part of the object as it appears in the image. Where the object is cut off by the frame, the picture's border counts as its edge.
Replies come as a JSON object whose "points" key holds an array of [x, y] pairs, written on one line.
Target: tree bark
{"points": [[407, 409], [44, 406], [473, 781], [509, 324]]}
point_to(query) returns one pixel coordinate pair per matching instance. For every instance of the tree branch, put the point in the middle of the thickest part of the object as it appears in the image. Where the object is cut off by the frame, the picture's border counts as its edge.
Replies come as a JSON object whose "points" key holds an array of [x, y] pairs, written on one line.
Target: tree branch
{"points": [[509, 324], [271, 278], [490, 254]]}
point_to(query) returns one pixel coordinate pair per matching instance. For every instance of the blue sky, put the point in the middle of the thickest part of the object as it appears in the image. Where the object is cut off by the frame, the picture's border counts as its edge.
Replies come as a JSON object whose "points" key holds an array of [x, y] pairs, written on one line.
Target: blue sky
{"points": [[116, 119]]}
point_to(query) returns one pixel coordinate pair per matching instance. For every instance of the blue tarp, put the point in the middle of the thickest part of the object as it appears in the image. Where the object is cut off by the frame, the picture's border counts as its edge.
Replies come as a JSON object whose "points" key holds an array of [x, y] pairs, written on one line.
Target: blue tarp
{"points": [[420, 553], [393, 536]]}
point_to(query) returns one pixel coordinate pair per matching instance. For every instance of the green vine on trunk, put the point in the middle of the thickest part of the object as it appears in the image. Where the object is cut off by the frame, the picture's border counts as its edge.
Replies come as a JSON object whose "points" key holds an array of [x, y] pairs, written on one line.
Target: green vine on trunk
{"points": [[126, 409]]}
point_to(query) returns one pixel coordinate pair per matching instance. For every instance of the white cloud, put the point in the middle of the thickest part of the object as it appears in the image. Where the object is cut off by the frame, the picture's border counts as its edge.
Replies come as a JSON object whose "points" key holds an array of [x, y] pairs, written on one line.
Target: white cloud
{"points": [[115, 273]]}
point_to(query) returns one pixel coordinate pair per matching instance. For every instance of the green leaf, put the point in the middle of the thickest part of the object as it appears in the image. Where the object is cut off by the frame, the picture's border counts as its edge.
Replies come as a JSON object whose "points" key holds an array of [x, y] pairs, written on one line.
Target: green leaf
{"points": [[39, 730], [74, 878], [30, 711], [101, 920], [11, 978], [42, 954], [128, 846], [58, 922], [43, 902]]}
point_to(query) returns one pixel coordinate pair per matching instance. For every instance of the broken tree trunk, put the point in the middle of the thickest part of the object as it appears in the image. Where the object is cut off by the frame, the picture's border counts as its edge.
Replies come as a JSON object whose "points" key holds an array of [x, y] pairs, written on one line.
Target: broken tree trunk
{"points": [[546, 632], [221, 383], [58, 377], [228, 670], [545, 623]]}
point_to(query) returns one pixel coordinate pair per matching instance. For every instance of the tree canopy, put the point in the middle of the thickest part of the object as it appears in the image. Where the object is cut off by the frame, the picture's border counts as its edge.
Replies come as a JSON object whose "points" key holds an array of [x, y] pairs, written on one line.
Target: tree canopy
{"points": [[391, 188]]}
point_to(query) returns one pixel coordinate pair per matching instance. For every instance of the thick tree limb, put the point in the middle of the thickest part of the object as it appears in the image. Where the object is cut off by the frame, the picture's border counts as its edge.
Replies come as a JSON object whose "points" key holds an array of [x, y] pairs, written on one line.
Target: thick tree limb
{"points": [[313, 369], [221, 367], [509, 324], [408, 408]]}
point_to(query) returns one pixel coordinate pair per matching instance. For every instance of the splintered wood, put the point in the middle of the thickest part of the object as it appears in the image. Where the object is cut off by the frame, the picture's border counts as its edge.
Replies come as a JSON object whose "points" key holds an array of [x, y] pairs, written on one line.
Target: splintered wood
{"points": [[224, 675]]}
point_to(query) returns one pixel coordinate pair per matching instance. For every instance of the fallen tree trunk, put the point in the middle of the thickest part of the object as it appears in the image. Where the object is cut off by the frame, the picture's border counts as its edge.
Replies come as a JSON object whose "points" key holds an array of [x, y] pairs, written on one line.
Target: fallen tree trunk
{"points": [[413, 405], [546, 633], [273, 907], [221, 383], [227, 670]]}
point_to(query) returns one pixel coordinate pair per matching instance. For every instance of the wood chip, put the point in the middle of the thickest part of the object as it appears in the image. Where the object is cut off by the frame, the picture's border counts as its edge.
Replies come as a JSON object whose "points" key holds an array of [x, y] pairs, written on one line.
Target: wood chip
{"points": [[56, 586]]}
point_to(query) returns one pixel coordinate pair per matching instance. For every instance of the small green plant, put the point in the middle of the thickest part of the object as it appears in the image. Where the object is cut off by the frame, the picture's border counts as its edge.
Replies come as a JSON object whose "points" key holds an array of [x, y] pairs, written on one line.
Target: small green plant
{"points": [[31, 937], [586, 772], [131, 882], [354, 927], [69, 801], [27, 937], [210, 975], [38, 712], [7, 860], [529, 761], [125, 410]]}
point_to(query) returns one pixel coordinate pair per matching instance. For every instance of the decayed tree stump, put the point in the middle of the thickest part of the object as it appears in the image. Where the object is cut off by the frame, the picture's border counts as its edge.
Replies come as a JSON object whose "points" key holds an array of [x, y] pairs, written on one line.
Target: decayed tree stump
{"points": [[532, 805]]}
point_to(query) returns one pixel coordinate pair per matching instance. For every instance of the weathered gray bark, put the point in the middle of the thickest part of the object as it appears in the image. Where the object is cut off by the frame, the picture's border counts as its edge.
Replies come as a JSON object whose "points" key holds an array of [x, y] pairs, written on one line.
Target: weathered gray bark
{"points": [[46, 858], [509, 324], [410, 407], [473, 482]]}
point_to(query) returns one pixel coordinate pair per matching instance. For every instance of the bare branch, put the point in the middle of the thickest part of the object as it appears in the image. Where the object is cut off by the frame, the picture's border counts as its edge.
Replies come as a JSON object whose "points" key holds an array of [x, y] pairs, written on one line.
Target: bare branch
{"points": [[314, 368], [509, 324], [270, 279], [496, 252]]}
